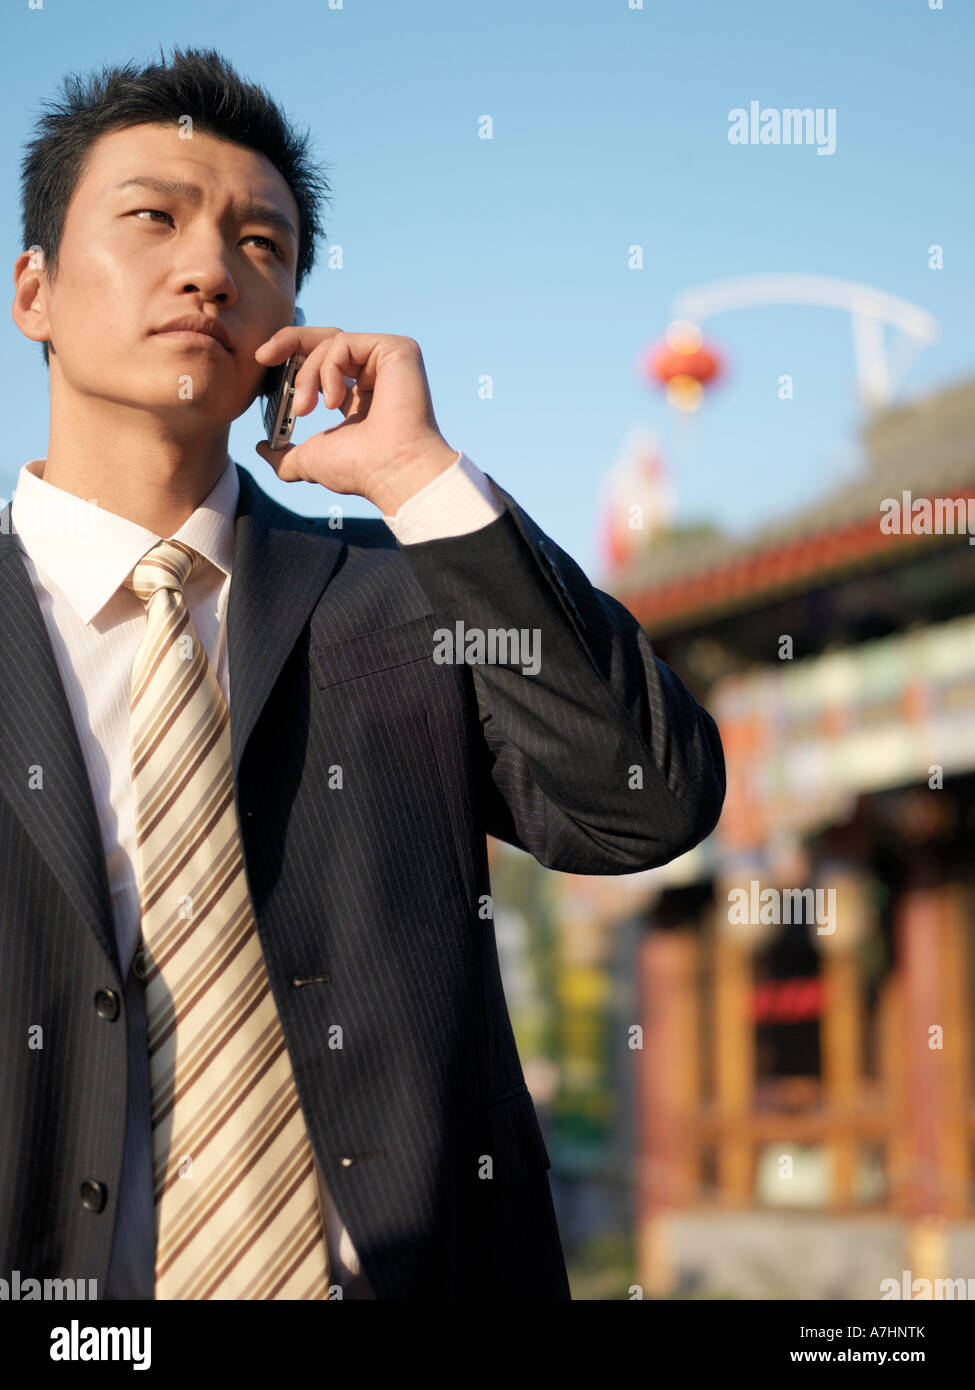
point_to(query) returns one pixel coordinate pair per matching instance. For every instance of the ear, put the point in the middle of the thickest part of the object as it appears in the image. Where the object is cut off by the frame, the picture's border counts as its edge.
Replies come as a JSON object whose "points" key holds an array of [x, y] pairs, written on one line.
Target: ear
{"points": [[29, 309]]}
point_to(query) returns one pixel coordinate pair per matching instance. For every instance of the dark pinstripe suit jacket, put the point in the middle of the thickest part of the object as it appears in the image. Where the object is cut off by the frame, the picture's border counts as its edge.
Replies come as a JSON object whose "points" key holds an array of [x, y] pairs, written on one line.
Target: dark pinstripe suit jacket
{"points": [[368, 895]]}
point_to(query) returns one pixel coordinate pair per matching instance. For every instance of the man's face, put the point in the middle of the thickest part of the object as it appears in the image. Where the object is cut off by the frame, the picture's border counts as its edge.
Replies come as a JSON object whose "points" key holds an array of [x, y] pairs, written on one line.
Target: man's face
{"points": [[136, 255]]}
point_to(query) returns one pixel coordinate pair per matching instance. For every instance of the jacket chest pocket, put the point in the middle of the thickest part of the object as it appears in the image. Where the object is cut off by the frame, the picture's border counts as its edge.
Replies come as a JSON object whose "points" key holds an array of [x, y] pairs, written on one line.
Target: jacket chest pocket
{"points": [[370, 653], [396, 718]]}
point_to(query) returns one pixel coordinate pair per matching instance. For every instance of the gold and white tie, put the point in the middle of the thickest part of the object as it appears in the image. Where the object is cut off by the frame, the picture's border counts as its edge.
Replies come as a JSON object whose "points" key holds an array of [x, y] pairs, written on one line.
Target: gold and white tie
{"points": [[237, 1209]]}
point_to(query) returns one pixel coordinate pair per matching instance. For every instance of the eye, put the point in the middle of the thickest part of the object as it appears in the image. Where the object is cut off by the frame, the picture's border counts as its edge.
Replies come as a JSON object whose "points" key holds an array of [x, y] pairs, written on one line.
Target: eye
{"points": [[258, 236], [254, 236]]}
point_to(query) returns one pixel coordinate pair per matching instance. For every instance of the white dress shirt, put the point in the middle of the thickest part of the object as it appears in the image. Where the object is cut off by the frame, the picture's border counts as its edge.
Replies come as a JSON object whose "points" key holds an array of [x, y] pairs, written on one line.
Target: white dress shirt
{"points": [[77, 556]]}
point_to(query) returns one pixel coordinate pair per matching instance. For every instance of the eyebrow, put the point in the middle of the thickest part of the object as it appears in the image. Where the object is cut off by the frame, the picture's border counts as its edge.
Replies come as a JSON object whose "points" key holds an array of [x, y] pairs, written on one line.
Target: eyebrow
{"points": [[245, 211]]}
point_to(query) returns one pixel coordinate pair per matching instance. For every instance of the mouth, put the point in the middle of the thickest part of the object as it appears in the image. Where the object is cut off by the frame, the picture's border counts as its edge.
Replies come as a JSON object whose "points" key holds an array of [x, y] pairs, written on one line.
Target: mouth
{"points": [[186, 337], [196, 332]]}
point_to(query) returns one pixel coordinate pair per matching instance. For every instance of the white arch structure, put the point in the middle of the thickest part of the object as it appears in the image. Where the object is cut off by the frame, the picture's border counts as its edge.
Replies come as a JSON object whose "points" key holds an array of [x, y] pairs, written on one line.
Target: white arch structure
{"points": [[869, 308]]}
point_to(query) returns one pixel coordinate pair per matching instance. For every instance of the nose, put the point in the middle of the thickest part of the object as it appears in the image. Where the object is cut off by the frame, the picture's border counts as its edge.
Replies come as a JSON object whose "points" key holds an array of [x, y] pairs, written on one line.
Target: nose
{"points": [[203, 268]]}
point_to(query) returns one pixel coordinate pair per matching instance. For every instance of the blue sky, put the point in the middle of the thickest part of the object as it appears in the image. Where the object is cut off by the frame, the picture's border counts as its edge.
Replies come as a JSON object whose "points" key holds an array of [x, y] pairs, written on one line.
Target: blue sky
{"points": [[508, 257]]}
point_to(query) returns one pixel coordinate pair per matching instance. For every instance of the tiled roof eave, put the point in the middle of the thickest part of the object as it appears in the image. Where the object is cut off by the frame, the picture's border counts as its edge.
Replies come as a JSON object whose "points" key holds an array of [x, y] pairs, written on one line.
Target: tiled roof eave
{"points": [[747, 580]]}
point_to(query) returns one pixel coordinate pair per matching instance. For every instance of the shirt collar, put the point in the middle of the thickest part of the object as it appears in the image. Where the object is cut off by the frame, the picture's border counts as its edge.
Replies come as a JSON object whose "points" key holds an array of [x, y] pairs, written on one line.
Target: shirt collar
{"points": [[89, 552]]}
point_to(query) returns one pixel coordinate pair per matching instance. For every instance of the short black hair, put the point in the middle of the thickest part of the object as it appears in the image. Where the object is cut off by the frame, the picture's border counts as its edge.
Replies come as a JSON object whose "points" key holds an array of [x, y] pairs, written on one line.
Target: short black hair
{"points": [[198, 83]]}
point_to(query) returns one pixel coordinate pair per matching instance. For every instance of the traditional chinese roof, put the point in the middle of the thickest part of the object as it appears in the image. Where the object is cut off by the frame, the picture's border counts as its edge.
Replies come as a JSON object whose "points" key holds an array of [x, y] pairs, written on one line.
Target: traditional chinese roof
{"points": [[925, 447]]}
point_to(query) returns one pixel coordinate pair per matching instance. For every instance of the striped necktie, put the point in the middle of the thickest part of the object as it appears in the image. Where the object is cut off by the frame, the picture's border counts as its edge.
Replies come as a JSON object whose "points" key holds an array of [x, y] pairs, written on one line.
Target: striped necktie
{"points": [[237, 1208]]}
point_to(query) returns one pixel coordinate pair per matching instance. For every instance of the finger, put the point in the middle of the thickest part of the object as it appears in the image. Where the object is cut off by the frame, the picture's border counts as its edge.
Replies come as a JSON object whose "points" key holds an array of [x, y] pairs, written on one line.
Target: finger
{"points": [[279, 347], [340, 393], [308, 379], [353, 355], [316, 374], [337, 388]]}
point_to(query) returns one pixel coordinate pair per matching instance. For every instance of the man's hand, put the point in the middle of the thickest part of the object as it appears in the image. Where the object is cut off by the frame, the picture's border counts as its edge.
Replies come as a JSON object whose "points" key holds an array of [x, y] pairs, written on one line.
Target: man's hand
{"points": [[388, 446]]}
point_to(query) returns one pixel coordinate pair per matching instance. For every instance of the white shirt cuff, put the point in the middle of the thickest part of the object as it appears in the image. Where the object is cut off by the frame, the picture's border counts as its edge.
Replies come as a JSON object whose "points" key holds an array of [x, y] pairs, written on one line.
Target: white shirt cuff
{"points": [[457, 501]]}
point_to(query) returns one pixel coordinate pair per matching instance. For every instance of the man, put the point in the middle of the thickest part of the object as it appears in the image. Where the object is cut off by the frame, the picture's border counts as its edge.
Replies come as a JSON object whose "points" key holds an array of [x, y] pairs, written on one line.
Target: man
{"points": [[254, 1038]]}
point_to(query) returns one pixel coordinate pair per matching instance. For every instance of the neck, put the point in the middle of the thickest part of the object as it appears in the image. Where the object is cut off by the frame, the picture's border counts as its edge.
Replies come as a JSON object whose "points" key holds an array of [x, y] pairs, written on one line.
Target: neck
{"points": [[133, 463]]}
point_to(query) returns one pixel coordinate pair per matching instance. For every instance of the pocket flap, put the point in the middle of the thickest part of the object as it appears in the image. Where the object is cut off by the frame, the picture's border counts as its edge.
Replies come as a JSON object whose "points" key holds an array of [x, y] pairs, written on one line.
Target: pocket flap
{"points": [[373, 651]]}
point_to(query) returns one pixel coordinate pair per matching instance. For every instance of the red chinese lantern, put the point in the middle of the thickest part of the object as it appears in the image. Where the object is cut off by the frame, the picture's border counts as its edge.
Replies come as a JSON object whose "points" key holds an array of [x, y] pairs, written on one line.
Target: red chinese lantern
{"points": [[682, 364]]}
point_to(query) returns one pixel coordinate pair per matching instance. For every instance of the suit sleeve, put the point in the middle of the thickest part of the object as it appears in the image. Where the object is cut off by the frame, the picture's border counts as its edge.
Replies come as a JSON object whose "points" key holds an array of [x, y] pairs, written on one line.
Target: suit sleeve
{"points": [[602, 762]]}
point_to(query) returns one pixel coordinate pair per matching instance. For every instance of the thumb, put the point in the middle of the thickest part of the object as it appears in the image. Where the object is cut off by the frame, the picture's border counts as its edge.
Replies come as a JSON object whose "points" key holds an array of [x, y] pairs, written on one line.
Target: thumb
{"points": [[286, 468], [271, 455]]}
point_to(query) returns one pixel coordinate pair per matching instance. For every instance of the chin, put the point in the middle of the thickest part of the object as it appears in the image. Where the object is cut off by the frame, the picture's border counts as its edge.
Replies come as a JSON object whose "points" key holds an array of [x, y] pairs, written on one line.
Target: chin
{"points": [[192, 392]]}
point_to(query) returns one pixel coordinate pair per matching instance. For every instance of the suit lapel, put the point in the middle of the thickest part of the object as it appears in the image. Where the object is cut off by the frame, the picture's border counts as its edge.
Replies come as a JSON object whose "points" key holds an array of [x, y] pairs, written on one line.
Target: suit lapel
{"points": [[278, 576], [37, 731]]}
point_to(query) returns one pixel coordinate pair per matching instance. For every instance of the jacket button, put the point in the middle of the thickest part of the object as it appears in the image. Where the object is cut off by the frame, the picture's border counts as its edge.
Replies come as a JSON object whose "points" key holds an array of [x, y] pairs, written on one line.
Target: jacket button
{"points": [[107, 1004], [93, 1194], [140, 965]]}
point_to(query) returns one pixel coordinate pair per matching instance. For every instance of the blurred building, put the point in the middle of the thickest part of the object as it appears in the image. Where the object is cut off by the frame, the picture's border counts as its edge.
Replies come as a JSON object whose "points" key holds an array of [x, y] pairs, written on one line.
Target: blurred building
{"points": [[780, 1024]]}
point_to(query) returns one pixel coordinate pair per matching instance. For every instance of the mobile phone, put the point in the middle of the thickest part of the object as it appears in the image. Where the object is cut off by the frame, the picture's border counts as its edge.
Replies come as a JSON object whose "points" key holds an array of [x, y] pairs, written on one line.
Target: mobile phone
{"points": [[278, 388]]}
